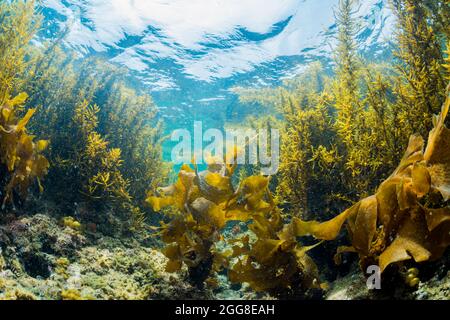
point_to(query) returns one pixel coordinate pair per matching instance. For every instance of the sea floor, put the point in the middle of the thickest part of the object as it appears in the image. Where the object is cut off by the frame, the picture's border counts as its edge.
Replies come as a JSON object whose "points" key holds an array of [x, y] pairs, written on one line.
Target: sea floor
{"points": [[42, 259]]}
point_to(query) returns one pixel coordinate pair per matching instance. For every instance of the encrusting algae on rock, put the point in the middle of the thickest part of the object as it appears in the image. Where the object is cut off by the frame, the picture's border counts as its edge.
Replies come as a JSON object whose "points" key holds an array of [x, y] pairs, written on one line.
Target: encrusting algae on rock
{"points": [[42, 259]]}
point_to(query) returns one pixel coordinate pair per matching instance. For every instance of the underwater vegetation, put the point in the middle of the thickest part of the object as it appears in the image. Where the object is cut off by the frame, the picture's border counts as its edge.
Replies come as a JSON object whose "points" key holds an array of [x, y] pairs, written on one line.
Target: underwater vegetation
{"points": [[105, 139], [197, 221], [115, 154], [343, 135], [20, 156], [21, 159], [397, 223], [204, 202], [274, 261], [81, 172], [353, 121]]}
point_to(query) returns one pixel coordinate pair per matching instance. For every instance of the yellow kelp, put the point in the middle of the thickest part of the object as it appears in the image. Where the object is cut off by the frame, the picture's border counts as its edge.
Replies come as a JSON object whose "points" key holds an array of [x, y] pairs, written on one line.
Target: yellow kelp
{"points": [[275, 262], [393, 225], [204, 202], [199, 199], [19, 153]]}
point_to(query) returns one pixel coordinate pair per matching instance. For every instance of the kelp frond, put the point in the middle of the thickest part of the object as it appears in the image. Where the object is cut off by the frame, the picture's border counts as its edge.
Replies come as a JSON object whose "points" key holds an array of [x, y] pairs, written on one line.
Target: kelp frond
{"points": [[19, 153], [205, 202], [393, 225]]}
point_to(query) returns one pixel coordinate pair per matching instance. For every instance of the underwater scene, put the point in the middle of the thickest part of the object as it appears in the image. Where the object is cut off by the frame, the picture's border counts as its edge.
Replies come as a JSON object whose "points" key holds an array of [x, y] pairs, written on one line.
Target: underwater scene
{"points": [[224, 150]]}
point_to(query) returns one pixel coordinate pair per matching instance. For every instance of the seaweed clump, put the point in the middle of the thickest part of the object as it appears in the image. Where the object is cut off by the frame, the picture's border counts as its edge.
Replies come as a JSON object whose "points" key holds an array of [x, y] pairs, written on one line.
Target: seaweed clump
{"points": [[274, 262], [403, 220], [21, 159], [20, 155], [115, 152], [267, 258], [199, 200]]}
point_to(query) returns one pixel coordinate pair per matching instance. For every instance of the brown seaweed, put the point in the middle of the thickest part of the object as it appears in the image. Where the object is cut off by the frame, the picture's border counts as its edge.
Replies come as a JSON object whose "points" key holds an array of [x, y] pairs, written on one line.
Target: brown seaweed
{"points": [[394, 225]]}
